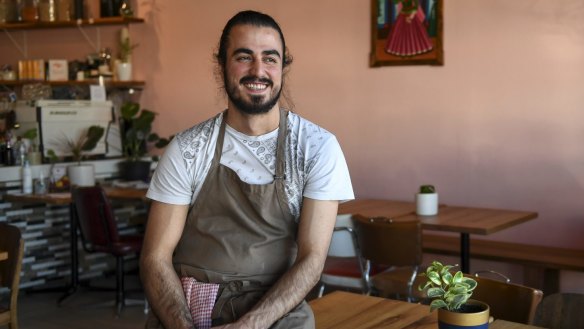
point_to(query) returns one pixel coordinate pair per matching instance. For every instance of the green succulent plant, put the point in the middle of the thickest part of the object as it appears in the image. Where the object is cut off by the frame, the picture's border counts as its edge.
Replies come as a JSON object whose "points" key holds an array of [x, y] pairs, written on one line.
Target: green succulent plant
{"points": [[427, 189], [447, 290]]}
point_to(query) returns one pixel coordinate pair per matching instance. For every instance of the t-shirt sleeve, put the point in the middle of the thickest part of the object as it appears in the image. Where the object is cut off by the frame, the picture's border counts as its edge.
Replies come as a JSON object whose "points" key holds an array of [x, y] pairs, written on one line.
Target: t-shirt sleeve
{"points": [[170, 182], [328, 175]]}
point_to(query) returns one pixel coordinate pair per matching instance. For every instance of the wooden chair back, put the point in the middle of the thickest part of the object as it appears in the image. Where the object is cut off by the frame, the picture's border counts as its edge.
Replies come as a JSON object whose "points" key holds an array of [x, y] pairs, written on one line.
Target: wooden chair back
{"points": [[12, 242], [508, 301], [561, 310], [384, 241]]}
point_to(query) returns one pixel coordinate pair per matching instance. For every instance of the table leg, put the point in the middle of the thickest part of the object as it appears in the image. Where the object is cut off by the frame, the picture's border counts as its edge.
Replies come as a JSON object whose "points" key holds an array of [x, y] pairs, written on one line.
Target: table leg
{"points": [[465, 252], [74, 255]]}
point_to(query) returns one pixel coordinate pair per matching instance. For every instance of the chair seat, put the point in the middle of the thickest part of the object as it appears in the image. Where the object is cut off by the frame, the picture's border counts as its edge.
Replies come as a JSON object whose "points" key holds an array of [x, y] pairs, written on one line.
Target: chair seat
{"points": [[127, 244], [4, 316]]}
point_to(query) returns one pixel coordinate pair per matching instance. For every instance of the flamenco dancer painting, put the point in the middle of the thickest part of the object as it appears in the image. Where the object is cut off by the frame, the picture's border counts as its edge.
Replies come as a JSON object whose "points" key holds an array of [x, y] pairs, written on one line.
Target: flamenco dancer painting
{"points": [[408, 35]]}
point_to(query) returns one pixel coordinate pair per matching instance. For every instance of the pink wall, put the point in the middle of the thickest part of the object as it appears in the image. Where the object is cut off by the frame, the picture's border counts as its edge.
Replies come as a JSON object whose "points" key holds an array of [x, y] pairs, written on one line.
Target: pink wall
{"points": [[499, 125]]}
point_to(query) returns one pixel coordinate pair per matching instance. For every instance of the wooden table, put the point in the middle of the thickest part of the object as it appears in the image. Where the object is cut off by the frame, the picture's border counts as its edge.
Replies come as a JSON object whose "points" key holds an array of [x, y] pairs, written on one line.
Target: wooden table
{"points": [[343, 310], [463, 220], [64, 198]]}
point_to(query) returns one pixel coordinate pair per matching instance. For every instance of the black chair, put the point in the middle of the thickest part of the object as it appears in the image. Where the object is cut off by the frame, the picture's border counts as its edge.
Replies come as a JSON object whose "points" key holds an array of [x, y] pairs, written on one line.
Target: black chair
{"points": [[10, 241], [99, 233]]}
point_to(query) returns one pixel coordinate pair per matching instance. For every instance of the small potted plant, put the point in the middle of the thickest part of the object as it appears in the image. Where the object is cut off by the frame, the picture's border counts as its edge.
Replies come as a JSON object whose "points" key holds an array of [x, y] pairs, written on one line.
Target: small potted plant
{"points": [[427, 201], [83, 174], [137, 135], [450, 293], [124, 65], [34, 156]]}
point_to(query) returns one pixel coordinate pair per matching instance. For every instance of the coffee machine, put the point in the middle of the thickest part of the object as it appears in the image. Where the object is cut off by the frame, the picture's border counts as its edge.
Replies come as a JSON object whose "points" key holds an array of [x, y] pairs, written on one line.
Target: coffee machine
{"points": [[61, 121]]}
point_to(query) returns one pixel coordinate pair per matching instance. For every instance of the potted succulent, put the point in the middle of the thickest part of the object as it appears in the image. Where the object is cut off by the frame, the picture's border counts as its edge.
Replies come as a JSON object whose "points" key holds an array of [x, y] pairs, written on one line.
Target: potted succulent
{"points": [[427, 201], [83, 174], [450, 293], [137, 134]]}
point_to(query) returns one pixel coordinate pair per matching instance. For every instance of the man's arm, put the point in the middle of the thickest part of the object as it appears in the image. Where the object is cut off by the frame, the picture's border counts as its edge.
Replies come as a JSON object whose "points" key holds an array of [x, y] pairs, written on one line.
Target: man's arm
{"points": [[161, 284], [317, 221]]}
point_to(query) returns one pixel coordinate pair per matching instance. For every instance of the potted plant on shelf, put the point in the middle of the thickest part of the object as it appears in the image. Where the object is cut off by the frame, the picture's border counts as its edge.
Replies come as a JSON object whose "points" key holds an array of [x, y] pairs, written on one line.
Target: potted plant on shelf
{"points": [[137, 135], [450, 293], [83, 174], [427, 201], [124, 65]]}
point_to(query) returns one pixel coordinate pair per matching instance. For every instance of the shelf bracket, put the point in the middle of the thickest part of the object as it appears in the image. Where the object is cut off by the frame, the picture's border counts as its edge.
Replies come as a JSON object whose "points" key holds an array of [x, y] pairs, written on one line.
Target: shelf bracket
{"points": [[95, 45], [23, 49]]}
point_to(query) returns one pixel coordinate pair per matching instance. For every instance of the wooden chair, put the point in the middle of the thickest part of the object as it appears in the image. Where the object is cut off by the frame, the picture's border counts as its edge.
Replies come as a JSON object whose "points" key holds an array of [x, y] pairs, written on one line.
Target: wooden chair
{"points": [[99, 233], [342, 267], [395, 245], [12, 242], [508, 301], [560, 311]]}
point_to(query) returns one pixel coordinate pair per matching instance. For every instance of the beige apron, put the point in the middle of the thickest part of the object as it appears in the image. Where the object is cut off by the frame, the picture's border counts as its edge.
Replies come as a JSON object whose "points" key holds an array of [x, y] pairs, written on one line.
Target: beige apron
{"points": [[241, 236]]}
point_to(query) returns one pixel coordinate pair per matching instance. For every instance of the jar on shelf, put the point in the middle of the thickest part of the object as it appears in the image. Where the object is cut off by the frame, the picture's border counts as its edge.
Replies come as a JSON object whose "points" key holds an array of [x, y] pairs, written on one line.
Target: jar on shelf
{"points": [[8, 11], [64, 10], [47, 11], [29, 11]]}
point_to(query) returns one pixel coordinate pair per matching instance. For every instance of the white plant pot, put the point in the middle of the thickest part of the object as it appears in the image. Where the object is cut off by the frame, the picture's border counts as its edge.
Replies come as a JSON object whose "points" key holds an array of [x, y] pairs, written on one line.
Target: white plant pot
{"points": [[124, 71], [427, 204], [81, 175]]}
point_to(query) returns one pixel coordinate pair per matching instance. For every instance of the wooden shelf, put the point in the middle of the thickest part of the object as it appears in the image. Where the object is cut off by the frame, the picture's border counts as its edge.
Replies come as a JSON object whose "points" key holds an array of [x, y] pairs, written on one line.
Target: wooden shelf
{"points": [[70, 24], [107, 83]]}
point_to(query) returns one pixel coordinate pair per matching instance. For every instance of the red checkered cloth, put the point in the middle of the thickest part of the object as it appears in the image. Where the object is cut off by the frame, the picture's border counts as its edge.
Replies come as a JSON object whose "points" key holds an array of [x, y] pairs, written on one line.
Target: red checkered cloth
{"points": [[200, 300]]}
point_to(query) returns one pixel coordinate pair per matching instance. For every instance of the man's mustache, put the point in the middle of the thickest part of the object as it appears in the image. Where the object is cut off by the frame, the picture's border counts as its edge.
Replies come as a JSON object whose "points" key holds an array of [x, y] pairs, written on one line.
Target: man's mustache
{"points": [[252, 79]]}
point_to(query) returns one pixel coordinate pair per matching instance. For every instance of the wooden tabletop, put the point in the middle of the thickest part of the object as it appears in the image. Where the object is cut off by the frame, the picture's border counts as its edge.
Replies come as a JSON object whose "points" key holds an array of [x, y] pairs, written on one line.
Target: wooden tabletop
{"points": [[64, 198], [343, 310], [375, 208], [449, 218]]}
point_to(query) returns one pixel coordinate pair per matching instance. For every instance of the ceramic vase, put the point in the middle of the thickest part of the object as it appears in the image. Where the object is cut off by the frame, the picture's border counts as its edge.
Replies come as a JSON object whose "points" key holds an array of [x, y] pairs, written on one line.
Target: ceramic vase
{"points": [[427, 204], [124, 71], [81, 175]]}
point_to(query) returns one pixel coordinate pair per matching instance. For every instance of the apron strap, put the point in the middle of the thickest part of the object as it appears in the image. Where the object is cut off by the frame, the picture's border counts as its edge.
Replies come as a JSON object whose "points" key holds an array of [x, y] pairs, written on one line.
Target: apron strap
{"points": [[281, 146]]}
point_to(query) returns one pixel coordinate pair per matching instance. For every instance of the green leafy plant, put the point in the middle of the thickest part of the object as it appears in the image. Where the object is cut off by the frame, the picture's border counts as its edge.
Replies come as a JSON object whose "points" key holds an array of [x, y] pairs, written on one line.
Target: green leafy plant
{"points": [[85, 143], [137, 127], [427, 189], [447, 289]]}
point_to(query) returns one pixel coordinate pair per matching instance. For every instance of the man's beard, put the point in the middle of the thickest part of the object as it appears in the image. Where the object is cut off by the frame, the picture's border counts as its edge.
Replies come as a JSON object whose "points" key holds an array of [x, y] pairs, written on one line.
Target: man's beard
{"points": [[257, 104]]}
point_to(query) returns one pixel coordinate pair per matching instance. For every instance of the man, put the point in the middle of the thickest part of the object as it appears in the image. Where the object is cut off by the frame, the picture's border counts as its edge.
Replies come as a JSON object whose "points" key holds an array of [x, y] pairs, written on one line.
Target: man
{"points": [[244, 204]]}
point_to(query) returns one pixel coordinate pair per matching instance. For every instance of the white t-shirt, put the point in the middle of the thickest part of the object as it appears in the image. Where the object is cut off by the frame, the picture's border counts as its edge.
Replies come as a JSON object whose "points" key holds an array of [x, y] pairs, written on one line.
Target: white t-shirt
{"points": [[315, 165]]}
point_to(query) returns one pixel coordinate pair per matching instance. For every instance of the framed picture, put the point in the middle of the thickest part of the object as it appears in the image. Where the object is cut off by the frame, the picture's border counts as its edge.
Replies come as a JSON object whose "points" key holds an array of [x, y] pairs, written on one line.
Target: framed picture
{"points": [[406, 32]]}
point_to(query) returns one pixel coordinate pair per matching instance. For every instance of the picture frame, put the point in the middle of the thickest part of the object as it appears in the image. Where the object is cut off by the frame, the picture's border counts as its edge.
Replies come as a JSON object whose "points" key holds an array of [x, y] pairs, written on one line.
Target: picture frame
{"points": [[408, 32]]}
